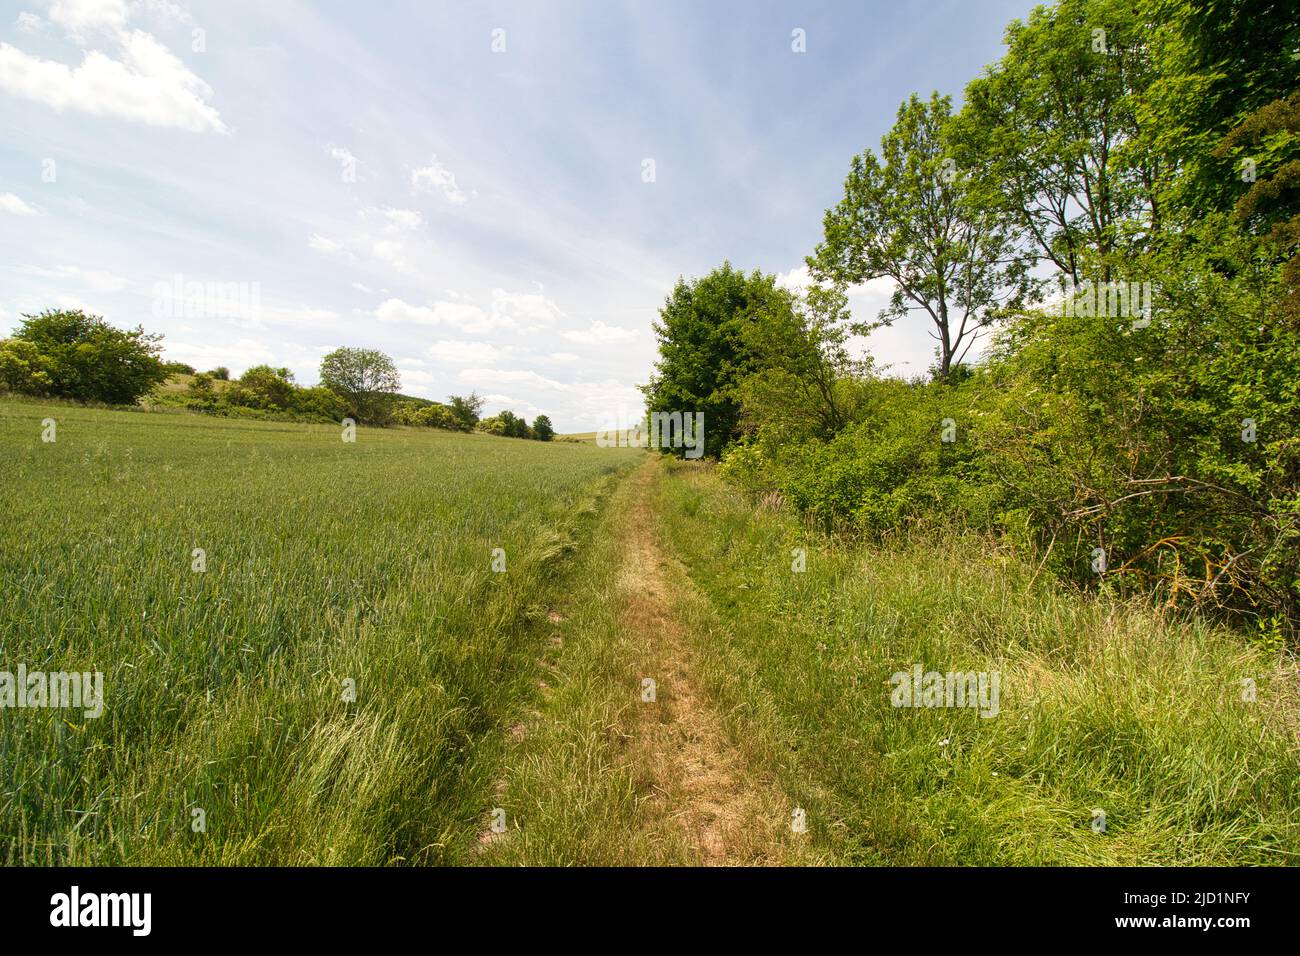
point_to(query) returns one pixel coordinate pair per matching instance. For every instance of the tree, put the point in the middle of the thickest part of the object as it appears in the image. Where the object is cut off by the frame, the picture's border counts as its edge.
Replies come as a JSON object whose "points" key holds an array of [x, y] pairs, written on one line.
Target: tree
{"points": [[1272, 202], [703, 353], [366, 378], [466, 409], [542, 429], [913, 219], [1051, 133], [23, 368], [201, 388], [805, 366], [1217, 61], [220, 373], [262, 386], [89, 360]]}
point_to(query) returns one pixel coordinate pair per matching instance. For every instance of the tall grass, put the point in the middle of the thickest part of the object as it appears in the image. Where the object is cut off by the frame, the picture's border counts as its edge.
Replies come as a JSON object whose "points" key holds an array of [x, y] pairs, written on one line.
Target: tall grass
{"points": [[326, 562], [1105, 706]]}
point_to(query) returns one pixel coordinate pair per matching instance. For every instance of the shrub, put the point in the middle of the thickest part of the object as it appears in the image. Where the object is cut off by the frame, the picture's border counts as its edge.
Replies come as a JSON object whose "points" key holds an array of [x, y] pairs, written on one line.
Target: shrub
{"points": [[88, 360], [262, 387], [23, 368]]}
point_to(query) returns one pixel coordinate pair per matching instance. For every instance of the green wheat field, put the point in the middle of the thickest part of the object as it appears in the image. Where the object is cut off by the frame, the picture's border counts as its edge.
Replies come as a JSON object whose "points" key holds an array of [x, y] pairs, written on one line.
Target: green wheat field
{"points": [[346, 680]]}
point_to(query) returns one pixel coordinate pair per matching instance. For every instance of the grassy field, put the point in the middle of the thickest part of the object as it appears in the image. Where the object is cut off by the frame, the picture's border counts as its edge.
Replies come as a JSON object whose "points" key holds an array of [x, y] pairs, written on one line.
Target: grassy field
{"points": [[326, 562], [1103, 706], [328, 565]]}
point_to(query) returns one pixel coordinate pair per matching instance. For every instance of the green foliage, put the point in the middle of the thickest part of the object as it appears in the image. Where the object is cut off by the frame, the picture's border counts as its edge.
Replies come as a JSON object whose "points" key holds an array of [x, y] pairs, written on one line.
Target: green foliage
{"points": [[506, 424], [428, 415], [1217, 62], [1050, 136], [913, 217], [264, 387], [318, 403], [23, 368], [86, 359], [466, 409], [366, 379], [542, 428], [1152, 453], [704, 350]]}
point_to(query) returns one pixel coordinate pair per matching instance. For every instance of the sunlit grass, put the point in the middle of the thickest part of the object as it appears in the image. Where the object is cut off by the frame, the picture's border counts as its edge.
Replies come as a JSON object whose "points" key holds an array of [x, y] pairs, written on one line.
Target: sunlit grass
{"points": [[1104, 706], [325, 561]]}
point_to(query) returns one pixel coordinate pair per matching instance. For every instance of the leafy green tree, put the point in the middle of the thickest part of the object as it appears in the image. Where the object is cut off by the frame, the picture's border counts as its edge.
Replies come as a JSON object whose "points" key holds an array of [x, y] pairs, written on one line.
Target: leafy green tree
{"points": [[910, 216], [87, 359], [1217, 62], [318, 402], [801, 387], [366, 378], [220, 373], [262, 386], [466, 409], [703, 350], [1050, 132], [1270, 207], [542, 429], [200, 392], [23, 369]]}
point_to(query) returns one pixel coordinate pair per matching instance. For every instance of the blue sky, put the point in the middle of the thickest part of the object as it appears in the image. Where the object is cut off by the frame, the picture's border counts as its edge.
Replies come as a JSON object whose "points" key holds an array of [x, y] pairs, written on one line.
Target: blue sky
{"points": [[377, 174]]}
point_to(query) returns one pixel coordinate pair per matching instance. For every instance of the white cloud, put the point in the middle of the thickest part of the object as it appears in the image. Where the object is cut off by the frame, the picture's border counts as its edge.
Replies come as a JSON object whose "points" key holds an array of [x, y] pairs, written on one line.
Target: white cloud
{"points": [[601, 334], [98, 279], [406, 219], [797, 280], [436, 177], [328, 246], [149, 84], [531, 309], [463, 353], [16, 207], [509, 311], [348, 163], [392, 252], [513, 377], [81, 16], [563, 357], [29, 22], [302, 317], [396, 311], [495, 403], [240, 355]]}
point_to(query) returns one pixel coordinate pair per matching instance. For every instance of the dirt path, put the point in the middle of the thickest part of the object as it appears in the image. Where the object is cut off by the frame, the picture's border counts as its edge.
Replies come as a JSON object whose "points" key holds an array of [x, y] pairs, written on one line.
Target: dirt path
{"points": [[698, 782]]}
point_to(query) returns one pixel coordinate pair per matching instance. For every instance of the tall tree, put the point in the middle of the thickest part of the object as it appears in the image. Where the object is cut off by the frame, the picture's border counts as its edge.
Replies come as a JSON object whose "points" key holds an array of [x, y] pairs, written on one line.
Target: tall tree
{"points": [[1218, 61], [366, 378], [703, 353], [1051, 132], [912, 216], [542, 428], [804, 360]]}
